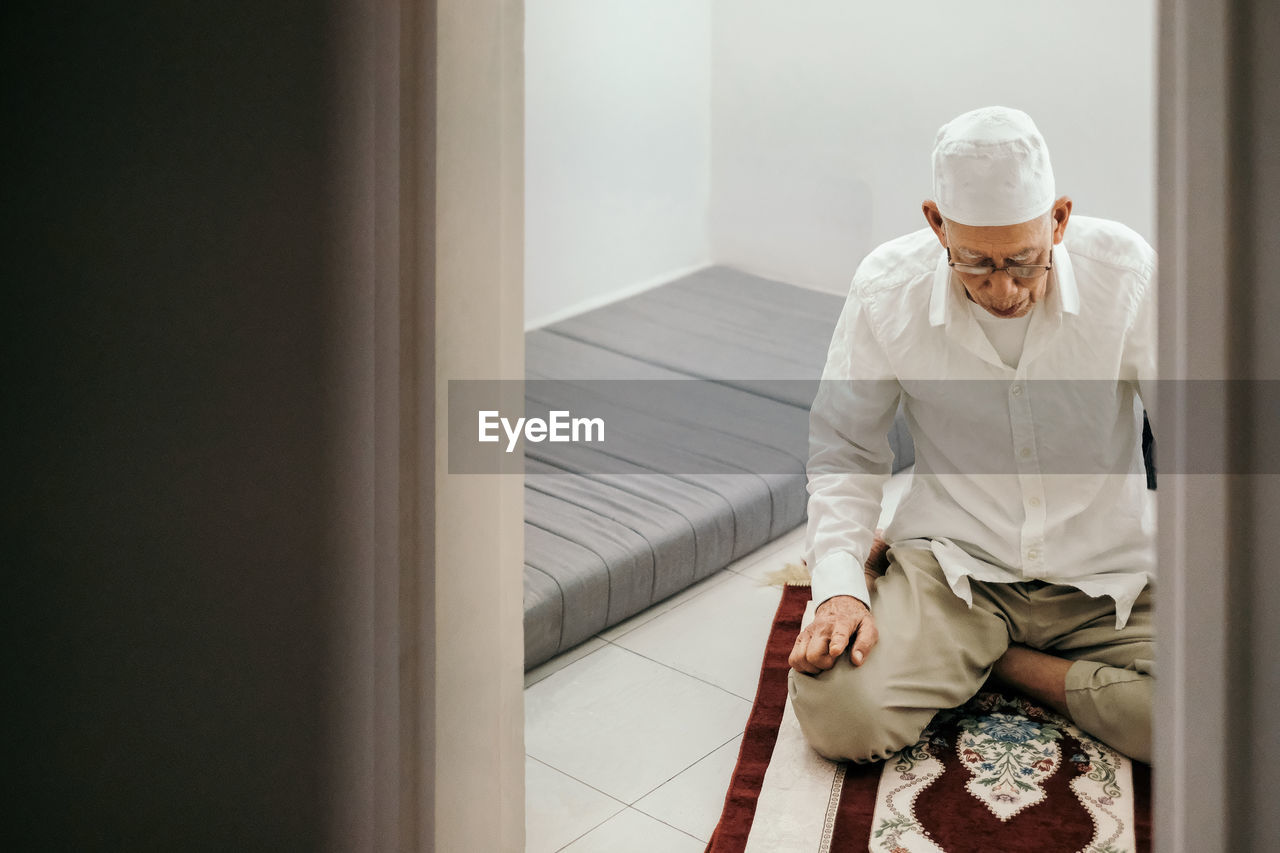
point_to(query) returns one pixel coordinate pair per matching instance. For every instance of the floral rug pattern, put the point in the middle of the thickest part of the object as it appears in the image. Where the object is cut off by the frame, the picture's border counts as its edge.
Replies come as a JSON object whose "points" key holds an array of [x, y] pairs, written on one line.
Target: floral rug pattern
{"points": [[1010, 749]]}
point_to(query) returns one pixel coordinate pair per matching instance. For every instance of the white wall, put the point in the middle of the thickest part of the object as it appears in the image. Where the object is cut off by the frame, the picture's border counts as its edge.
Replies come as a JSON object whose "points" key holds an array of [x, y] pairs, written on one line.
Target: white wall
{"points": [[617, 148], [790, 139], [824, 113]]}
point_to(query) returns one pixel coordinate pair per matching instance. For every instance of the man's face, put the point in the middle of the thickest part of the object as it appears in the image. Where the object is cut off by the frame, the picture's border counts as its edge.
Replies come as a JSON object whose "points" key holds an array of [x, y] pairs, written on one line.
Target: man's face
{"points": [[1027, 243]]}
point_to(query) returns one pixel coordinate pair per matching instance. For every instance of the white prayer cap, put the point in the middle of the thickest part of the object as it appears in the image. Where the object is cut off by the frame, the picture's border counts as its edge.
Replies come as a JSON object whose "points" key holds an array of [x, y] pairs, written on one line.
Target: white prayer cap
{"points": [[991, 167]]}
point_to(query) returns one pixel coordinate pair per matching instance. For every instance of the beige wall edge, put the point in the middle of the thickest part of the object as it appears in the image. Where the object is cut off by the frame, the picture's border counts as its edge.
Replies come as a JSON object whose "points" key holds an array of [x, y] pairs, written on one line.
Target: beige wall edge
{"points": [[479, 520], [1192, 690]]}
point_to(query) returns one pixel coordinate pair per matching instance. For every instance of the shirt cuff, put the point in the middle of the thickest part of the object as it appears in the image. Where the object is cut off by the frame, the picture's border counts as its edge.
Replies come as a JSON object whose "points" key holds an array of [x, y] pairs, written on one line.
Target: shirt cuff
{"points": [[839, 573]]}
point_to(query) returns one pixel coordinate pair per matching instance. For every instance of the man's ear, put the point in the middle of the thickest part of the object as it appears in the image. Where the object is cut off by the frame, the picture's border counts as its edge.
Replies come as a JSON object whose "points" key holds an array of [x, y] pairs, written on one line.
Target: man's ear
{"points": [[1061, 213], [934, 217]]}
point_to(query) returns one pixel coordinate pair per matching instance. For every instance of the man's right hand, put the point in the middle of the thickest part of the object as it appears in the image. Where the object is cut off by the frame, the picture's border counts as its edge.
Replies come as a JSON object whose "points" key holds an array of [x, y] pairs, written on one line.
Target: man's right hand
{"points": [[836, 621]]}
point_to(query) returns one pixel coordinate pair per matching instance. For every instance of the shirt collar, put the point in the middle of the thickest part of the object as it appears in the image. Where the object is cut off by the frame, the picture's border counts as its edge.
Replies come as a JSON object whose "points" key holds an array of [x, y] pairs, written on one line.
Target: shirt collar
{"points": [[948, 294]]}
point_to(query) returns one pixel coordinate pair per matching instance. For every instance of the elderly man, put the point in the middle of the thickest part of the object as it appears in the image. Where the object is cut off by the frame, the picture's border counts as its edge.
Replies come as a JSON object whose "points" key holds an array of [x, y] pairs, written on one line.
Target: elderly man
{"points": [[1018, 348]]}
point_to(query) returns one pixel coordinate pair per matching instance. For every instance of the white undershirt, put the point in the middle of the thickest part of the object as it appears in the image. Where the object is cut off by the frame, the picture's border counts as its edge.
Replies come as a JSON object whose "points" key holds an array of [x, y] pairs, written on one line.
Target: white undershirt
{"points": [[1007, 334]]}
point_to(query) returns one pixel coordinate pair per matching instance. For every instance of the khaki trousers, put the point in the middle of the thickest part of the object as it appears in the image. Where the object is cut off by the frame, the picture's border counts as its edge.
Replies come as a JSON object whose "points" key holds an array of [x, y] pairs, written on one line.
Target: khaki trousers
{"points": [[935, 652]]}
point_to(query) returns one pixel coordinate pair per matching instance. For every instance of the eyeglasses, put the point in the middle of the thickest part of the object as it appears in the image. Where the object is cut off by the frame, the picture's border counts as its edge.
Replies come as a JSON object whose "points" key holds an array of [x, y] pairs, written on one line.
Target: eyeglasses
{"points": [[1015, 270]]}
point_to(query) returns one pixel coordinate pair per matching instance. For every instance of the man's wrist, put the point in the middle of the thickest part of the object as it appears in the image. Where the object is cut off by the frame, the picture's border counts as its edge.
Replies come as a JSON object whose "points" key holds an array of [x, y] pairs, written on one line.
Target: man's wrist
{"points": [[838, 601], [839, 573]]}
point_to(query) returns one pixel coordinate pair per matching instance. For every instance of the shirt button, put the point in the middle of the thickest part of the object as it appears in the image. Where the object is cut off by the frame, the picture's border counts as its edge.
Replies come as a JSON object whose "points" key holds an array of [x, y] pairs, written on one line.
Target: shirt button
{"points": [[1016, 390], [1033, 554], [1034, 502], [1024, 452]]}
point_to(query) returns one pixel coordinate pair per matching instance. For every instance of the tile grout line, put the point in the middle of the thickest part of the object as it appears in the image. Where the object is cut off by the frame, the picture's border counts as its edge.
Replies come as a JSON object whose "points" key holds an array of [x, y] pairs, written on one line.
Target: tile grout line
{"points": [[627, 805], [666, 666], [632, 805], [673, 669], [594, 827], [682, 672], [702, 758], [646, 814], [579, 837], [568, 664], [673, 826], [579, 781]]}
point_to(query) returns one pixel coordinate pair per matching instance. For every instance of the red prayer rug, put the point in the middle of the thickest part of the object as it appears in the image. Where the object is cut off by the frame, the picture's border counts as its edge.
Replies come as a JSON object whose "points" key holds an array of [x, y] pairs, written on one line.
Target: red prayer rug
{"points": [[998, 774]]}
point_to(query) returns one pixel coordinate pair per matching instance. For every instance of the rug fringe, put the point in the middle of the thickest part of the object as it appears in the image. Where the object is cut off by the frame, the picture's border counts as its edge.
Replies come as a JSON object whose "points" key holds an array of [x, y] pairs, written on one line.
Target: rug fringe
{"points": [[792, 574]]}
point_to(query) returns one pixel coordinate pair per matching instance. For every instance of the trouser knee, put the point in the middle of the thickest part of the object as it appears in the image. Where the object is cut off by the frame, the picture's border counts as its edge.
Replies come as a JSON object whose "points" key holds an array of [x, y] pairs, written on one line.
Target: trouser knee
{"points": [[843, 724], [1113, 705]]}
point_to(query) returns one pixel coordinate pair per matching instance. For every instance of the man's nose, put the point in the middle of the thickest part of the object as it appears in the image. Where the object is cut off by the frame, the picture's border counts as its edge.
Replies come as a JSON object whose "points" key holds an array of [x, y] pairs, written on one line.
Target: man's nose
{"points": [[1002, 284]]}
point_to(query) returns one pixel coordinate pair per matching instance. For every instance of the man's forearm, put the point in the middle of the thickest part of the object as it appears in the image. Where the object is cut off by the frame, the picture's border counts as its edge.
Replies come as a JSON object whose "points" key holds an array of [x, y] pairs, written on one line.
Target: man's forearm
{"points": [[850, 457]]}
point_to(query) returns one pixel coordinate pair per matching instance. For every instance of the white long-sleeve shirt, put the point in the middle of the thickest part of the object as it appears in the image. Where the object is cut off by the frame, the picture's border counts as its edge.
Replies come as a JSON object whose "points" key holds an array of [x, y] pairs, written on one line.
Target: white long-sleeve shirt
{"points": [[1033, 472]]}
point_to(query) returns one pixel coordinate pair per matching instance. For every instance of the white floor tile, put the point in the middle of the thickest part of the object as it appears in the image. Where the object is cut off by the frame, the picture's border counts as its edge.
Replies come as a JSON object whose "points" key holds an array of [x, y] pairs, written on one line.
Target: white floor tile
{"points": [[661, 607], [561, 660], [633, 832], [623, 724], [693, 800], [718, 637], [559, 809]]}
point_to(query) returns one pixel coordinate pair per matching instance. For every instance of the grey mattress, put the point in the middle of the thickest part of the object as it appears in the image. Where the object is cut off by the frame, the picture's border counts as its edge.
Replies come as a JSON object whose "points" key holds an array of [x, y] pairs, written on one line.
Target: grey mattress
{"points": [[679, 492]]}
